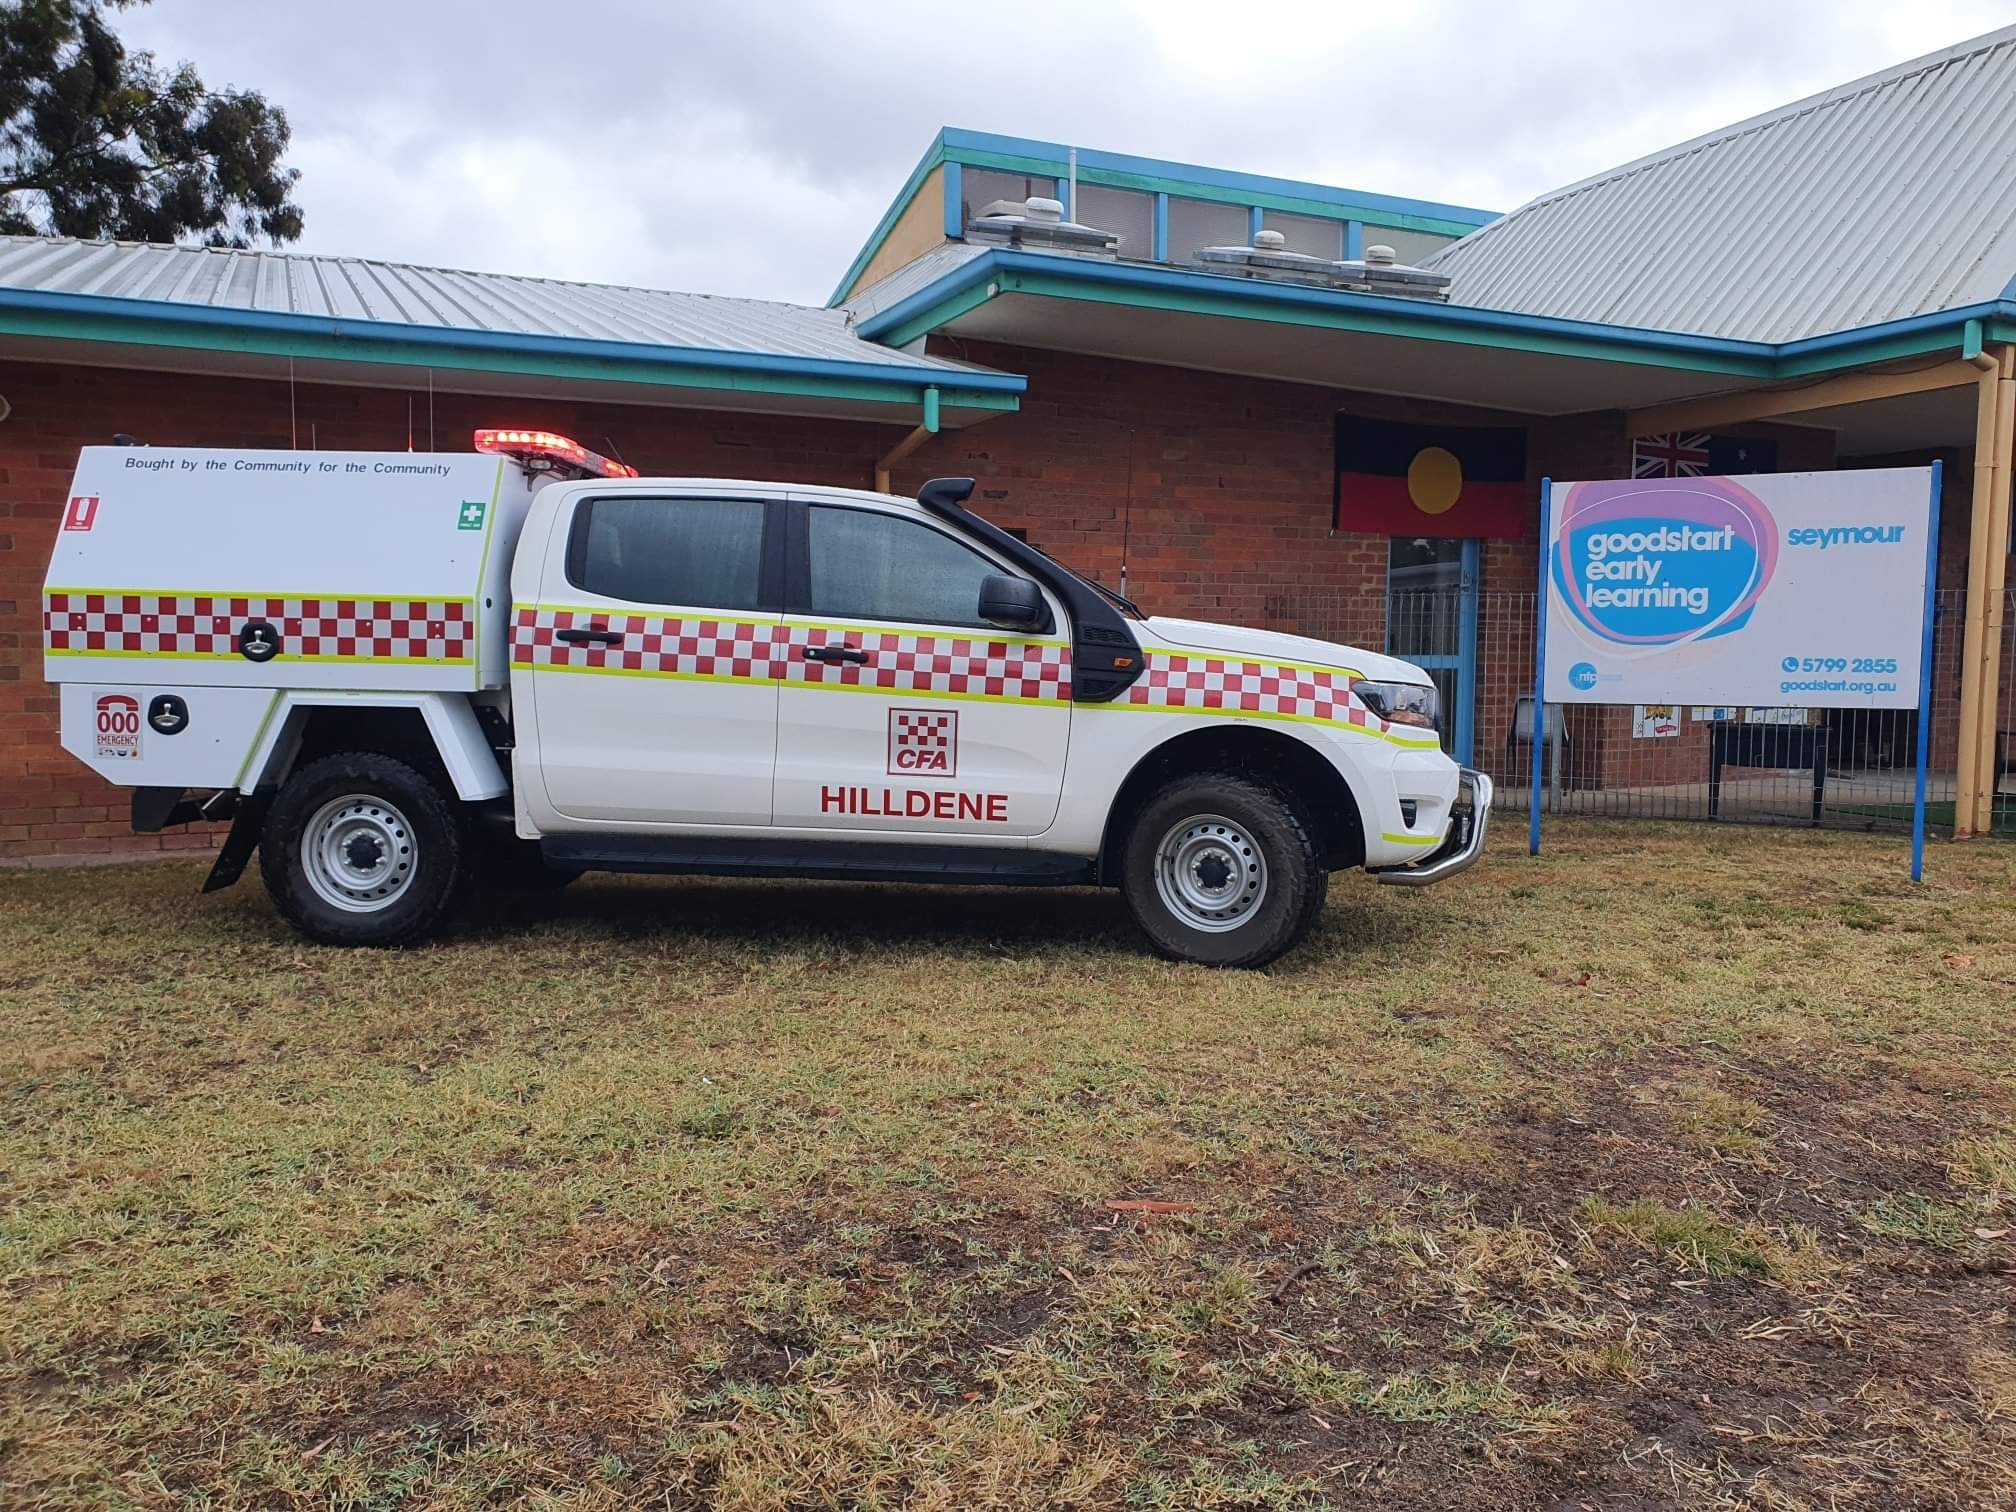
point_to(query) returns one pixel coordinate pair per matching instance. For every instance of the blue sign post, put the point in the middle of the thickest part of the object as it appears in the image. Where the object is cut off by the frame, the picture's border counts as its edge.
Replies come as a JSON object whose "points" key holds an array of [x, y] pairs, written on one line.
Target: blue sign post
{"points": [[1539, 727], [1925, 687]]}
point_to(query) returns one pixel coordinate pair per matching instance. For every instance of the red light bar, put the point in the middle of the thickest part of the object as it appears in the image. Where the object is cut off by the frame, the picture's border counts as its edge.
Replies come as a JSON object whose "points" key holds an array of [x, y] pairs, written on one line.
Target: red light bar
{"points": [[547, 447]]}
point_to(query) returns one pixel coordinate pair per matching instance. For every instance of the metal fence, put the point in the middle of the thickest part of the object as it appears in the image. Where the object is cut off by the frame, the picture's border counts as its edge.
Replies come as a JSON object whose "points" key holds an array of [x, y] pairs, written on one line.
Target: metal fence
{"points": [[1839, 768]]}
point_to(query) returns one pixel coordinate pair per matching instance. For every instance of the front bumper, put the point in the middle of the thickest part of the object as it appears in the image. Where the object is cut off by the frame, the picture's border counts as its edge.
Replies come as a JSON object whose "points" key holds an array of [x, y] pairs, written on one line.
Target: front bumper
{"points": [[1465, 842]]}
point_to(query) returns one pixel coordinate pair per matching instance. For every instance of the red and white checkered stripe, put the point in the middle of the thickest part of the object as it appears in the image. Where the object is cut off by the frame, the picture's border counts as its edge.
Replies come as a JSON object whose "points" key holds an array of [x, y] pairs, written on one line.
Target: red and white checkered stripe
{"points": [[1173, 681], [651, 643], [905, 663], [899, 662], [207, 624]]}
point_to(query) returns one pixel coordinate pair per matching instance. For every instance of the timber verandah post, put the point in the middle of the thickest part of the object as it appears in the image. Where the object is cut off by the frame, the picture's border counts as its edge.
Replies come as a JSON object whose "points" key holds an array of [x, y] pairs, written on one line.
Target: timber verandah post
{"points": [[1987, 545]]}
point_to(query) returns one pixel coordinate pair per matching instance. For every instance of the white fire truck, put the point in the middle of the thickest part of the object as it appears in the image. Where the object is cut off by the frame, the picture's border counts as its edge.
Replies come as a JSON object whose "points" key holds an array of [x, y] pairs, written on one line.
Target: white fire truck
{"points": [[396, 673]]}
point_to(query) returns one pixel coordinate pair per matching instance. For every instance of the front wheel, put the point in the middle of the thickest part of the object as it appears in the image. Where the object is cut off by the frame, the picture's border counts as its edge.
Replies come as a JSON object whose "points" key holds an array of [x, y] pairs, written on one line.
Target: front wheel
{"points": [[1221, 870], [361, 849]]}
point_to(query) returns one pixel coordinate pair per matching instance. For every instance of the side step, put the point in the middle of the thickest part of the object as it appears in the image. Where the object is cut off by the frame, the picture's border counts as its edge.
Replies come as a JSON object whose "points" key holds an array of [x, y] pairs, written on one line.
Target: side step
{"points": [[838, 861]]}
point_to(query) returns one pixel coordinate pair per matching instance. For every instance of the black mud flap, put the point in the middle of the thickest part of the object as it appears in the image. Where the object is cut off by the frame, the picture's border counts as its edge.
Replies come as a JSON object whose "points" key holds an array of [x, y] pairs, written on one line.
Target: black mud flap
{"points": [[246, 828], [155, 808]]}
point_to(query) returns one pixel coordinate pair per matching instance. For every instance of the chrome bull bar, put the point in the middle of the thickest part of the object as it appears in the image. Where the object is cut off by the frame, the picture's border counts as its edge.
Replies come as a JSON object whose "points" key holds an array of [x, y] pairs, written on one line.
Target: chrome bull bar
{"points": [[1465, 844]]}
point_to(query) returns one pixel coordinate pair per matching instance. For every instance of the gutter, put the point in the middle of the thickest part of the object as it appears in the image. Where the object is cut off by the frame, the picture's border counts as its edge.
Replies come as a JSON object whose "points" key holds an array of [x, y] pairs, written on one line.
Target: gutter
{"points": [[231, 327], [1001, 271]]}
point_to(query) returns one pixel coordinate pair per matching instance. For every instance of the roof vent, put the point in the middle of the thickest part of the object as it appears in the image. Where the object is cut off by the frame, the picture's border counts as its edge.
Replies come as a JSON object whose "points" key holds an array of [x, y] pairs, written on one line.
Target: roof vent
{"points": [[1269, 258], [1381, 272], [1039, 223]]}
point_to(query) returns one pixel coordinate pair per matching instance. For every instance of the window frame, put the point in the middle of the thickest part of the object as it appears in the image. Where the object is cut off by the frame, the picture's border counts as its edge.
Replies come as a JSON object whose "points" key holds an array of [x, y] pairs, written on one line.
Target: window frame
{"points": [[798, 571], [770, 547]]}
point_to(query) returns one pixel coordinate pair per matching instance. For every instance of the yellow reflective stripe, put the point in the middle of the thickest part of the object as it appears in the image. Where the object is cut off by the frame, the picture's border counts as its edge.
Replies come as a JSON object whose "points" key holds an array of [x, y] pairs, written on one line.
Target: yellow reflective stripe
{"points": [[707, 616], [826, 687], [1249, 661], [1411, 839], [351, 596], [288, 658], [787, 683], [1328, 724], [258, 735]]}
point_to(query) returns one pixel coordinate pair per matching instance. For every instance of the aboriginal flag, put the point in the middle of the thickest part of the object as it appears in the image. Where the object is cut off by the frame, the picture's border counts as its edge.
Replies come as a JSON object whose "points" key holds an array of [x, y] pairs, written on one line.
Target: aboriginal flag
{"points": [[1398, 479]]}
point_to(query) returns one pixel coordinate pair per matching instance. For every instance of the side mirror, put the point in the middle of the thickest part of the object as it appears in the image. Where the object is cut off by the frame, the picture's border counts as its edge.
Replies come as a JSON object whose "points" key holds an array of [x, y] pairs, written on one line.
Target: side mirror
{"points": [[1013, 603]]}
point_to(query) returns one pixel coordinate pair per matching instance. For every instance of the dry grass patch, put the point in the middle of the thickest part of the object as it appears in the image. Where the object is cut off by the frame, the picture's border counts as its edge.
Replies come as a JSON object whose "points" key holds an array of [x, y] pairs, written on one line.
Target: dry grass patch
{"points": [[1652, 1172]]}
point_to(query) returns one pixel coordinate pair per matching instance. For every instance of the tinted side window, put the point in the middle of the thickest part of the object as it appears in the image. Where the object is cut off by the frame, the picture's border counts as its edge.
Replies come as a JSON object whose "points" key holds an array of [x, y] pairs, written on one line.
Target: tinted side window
{"points": [[877, 566], [704, 552]]}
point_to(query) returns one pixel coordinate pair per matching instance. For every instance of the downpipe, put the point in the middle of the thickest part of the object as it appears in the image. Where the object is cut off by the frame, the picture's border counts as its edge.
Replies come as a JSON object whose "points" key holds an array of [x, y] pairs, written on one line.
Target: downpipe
{"points": [[1461, 850]]}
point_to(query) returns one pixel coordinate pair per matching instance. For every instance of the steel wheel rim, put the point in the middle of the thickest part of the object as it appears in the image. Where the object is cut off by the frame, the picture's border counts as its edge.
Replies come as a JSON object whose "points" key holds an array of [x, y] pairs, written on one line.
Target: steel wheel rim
{"points": [[1210, 873], [359, 853]]}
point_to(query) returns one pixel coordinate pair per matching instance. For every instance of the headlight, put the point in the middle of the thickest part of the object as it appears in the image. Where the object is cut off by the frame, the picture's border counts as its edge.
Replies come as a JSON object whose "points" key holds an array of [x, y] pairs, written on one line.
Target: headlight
{"points": [[1399, 703]]}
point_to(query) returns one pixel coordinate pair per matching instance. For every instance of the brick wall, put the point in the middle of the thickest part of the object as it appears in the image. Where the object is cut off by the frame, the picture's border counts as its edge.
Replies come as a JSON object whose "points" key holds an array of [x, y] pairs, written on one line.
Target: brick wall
{"points": [[1218, 489], [49, 802]]}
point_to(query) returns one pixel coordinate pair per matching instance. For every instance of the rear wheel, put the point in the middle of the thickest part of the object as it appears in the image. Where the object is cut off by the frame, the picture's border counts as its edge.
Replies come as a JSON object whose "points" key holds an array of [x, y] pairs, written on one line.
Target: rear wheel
{"points": [[361, 849], [1221, 870]]}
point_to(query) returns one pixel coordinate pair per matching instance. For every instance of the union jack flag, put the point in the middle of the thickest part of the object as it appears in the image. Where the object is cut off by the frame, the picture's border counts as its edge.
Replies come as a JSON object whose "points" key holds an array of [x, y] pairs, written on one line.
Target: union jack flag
{"points": [[1676, 454]]}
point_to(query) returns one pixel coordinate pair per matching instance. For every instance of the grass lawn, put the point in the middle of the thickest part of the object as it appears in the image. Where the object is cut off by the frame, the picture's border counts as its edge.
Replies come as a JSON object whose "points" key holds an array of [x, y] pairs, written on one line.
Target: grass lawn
{"points": [[1938, 812], [1677, 1167]]}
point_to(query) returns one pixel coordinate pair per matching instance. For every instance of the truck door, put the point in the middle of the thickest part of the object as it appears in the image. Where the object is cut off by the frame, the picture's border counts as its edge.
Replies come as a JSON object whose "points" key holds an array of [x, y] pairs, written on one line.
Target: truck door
{"points": [[651, 657], [902, 710]]}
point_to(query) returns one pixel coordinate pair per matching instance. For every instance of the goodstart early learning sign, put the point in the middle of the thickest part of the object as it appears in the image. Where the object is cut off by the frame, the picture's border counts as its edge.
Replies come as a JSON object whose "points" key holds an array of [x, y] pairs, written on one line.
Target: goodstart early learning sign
{"points": [[1791, 589]]}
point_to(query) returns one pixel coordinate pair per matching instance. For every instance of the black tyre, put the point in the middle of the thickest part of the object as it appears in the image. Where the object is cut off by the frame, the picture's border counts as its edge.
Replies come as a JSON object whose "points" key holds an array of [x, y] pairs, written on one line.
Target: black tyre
{"points": [[1221, 870], [361, 849]]}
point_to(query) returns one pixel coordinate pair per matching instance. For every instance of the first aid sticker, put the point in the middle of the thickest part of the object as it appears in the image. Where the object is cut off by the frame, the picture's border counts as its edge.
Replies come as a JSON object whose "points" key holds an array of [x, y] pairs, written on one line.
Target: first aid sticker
{"points": [[118, 727]]}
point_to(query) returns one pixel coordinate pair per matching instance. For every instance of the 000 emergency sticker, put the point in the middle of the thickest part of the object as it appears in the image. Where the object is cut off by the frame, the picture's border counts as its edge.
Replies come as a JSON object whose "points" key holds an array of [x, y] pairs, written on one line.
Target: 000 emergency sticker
{"points": [[118, 727]]}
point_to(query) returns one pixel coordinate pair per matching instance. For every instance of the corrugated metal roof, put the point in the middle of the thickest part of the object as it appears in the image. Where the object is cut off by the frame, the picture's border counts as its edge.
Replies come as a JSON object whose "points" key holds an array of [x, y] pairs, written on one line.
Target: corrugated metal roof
{"points": [[1888, 197], [349, 288], [919, 273]]}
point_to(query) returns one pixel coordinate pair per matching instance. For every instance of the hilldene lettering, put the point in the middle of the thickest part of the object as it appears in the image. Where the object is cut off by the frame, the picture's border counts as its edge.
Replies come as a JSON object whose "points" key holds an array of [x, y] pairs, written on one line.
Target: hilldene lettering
{"points": [[914, 803]]}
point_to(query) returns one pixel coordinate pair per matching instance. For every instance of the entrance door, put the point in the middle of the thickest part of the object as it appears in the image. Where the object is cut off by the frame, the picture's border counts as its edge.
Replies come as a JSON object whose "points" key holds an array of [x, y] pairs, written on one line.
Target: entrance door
{"points": [[903, 710], [651, 662], [1431, 620]]}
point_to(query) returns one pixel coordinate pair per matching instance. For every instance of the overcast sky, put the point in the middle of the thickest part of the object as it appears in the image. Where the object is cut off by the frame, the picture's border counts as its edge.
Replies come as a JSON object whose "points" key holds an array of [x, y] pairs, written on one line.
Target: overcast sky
{"points": [[750, 147]]}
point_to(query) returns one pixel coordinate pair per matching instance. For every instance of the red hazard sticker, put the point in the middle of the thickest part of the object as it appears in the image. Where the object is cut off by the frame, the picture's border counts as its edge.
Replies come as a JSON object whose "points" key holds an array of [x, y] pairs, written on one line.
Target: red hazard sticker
{"points": [[923, 743], [118, 727], [82, 513]]}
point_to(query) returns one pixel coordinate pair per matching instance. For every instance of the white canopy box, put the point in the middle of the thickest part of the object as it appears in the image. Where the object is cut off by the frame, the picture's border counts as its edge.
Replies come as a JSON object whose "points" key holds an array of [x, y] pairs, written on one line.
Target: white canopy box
{"points": [[242, 569]]}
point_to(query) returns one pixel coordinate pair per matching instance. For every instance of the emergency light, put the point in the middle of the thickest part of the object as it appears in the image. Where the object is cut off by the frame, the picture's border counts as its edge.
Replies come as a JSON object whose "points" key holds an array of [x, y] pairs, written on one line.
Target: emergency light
{"points": [[544, 450]]}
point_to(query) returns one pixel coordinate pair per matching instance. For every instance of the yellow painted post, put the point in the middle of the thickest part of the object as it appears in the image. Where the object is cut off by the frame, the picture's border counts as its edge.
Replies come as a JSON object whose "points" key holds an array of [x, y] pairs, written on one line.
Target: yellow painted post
{"points": [[1967, 780], [1981, 646], [1994, 617]]}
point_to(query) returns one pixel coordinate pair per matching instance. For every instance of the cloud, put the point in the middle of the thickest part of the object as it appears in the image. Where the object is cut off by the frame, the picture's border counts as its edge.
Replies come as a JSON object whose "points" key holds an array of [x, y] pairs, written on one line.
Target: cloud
{"points": [[749, 149]]}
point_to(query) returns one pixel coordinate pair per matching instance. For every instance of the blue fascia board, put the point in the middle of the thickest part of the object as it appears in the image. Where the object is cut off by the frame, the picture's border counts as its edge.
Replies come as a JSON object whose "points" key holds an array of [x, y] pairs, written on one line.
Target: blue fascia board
{"points": [[933, 155], [211, 317], [991, 264], [1430, 317], [1993, 309], [952, 138]]}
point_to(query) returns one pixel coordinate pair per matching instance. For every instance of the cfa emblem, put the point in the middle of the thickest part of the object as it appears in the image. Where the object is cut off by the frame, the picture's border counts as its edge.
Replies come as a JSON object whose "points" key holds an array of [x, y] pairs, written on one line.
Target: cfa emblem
{"points": [[923, 743]]}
